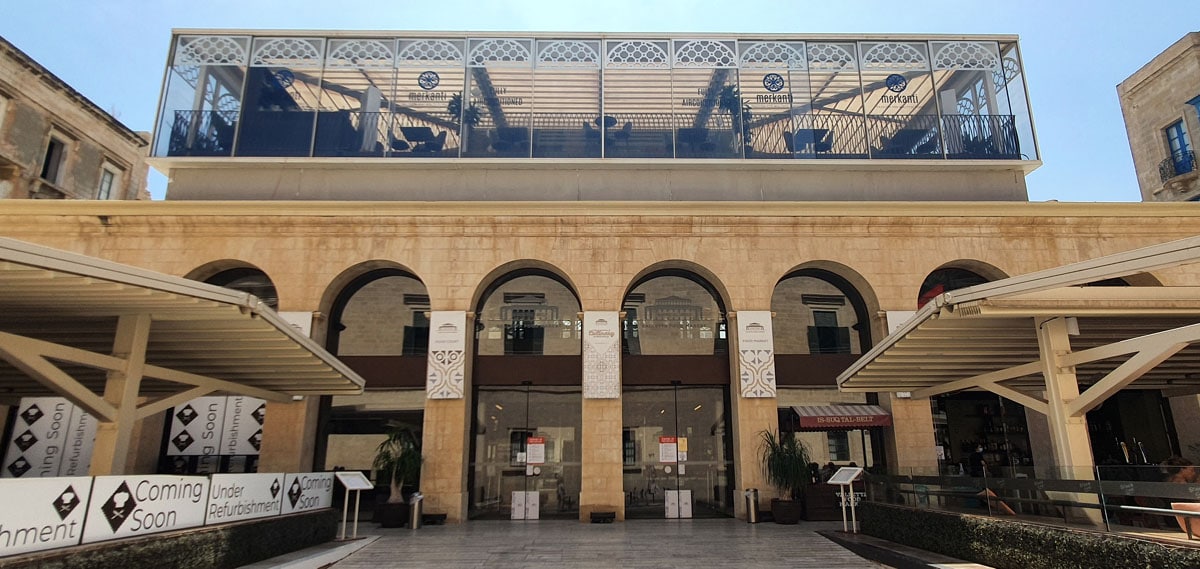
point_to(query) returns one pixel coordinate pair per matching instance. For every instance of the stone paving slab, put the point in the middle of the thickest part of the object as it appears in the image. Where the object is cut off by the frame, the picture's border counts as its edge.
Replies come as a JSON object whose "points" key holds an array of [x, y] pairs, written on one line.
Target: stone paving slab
{"points": [[657, 544]]}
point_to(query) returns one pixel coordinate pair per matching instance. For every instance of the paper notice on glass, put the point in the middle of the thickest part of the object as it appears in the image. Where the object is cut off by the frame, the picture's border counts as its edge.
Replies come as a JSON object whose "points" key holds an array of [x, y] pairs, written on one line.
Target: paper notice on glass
{"points": [[535, 450], [682, 455], [521, 457], [682, 445], [682, 468], [668, 450], [941, 452]]}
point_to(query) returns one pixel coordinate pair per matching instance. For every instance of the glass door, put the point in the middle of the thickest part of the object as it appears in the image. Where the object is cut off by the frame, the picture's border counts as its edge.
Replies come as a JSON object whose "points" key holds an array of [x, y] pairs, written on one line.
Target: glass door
{"points": [[525, 462], [677, 452]]}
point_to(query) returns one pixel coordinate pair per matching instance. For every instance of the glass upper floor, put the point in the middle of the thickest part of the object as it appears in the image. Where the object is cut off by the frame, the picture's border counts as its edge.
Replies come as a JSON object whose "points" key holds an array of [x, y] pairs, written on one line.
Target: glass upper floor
{"points": [[442, 95]]}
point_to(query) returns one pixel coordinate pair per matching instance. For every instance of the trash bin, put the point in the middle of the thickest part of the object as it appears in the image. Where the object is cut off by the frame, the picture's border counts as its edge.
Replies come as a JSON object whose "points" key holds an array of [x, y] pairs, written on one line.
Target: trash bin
{"points": [[414, 510], [752, 505]]}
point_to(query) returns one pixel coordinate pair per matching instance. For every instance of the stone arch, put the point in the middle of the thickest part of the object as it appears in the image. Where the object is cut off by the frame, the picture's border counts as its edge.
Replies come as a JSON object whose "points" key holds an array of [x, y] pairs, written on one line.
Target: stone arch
{"points": [[857, 290], [708, 279], [238, 275], [959, 273], [342, 289]]}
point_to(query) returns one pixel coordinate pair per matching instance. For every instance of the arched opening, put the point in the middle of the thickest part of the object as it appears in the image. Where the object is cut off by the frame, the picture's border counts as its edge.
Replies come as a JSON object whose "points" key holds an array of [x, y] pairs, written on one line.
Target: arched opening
{"points": [[821, 325], [527, 379], [247, 279], [378, 325], [677, 441]]}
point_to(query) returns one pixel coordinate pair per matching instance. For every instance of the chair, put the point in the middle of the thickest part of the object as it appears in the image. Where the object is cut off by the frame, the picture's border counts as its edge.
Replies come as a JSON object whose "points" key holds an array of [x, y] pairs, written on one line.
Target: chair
{"points": [[696, 139], [623, 134]]}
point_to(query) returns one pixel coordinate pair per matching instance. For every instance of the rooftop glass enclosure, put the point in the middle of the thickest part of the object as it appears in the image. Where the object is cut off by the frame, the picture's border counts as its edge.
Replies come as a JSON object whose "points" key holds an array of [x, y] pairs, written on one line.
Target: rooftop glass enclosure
{"points": [[428, 95]]}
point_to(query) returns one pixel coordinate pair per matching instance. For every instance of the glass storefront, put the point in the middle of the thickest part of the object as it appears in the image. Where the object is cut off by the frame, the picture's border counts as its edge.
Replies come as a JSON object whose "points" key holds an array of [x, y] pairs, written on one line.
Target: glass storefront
{"points": [[769, 97], [677, 450], [525, 452]]}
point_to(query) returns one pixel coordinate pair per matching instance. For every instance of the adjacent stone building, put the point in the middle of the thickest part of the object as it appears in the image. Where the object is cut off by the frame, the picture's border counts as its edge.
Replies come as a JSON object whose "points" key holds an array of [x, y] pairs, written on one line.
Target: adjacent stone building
{"points": [[57, 144], [1161, 105]]}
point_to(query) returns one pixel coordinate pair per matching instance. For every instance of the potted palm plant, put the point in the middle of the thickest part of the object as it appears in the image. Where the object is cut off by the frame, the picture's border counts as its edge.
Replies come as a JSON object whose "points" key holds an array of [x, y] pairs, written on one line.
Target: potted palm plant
{"points": [[398, 463], [786, 465]]}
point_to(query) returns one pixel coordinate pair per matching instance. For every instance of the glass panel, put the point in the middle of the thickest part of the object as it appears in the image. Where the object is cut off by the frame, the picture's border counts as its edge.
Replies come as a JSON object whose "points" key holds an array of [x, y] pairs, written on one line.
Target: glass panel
{"points": [[501, 87], [283, 89], [693, 419], [899, 100], [708, 113], [637, 93], [529, 315], [800, 304], [828, 105], [355, 94], [977, 121], [1012, 79], [673, 315], [505, 419], [203, 96], [567, 122], [428, 110], [769, 70]]}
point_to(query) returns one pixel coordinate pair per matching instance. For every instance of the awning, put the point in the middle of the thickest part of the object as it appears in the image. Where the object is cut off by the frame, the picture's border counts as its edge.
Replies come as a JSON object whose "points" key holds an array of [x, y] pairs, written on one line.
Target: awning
{"points": [[68, 322], [835, 417], [987, 336]]}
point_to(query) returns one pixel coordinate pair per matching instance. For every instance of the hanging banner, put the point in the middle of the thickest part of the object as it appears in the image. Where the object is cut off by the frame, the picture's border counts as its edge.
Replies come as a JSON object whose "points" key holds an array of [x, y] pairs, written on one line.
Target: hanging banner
{"points": [[39, 436], [601, 355], [77, 451], [242, 431], [446, 368], [307, 491], [234, 497], [128, 506], [196, 427], [42, 514], [756, 353]]}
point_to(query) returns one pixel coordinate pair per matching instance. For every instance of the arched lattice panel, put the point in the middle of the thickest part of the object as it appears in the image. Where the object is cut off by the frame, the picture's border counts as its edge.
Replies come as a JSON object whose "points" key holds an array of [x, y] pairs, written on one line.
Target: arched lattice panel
{"points": [[568, 54], [772, 55], [360, 54], [705, 54], [422, 53], [288, 52], [500, 53], [894, 56], [831, 57], [966, 55], [1009, 70], [211, 50], [637, 54]]}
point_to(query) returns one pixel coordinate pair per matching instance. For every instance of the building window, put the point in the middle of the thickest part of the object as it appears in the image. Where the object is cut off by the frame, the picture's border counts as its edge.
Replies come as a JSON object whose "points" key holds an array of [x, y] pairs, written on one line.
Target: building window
{"points": [[56, 155], [826, 337], [3, 110], [839, 445], [1194, 102], [1177, 145], [110, 182]]}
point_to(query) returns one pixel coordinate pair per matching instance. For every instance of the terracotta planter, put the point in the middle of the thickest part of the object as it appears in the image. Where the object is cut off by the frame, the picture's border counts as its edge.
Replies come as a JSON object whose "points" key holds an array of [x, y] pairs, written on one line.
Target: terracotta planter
{"points": [[787, 511]]}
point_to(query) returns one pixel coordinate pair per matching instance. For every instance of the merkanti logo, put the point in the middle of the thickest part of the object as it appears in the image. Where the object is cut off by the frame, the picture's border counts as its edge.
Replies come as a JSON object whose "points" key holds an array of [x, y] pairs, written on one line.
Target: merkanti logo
{"points": [[275, 487], [26, 440], [183, 440], [295, 492], [260, 414], [256, 440], [186, 415], [19, 467]]}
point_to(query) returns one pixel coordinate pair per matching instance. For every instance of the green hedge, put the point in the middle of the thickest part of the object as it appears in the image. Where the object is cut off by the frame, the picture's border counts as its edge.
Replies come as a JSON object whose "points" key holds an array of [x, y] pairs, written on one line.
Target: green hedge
{"points": [[1009, 544], [220, 547]]}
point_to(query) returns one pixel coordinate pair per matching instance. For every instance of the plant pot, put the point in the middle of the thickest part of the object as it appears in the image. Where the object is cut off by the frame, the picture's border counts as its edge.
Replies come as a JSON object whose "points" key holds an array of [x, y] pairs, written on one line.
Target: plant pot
{"points": [[391, 514], [787, 511]]}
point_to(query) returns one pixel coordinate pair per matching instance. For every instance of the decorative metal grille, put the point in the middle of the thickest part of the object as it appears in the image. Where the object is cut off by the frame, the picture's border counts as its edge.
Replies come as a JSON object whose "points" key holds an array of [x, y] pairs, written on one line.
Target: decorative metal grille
{"points": [[773, 55], [499, 52], [893, 56], [966, 55], [830, 57], [638, 54], [704, 54], [287, 52], [211, 50], [359, 54], [1008, 71], [568, 53], [426, 52]]}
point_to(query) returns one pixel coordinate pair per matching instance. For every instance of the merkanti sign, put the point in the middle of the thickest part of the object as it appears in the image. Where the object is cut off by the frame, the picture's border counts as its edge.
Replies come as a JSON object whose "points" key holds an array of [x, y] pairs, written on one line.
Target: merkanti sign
{"points": [[128, 506], [235, 497], [42, 513]]}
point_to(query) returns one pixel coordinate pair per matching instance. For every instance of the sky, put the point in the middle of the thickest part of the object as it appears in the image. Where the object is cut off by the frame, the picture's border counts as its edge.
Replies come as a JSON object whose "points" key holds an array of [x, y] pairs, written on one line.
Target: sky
{"points": [[1074, 52]]}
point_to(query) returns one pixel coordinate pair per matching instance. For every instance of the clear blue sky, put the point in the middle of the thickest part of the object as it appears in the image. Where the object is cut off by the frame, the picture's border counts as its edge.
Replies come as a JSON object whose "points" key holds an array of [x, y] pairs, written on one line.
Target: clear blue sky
{"points": [[1075, 53]]}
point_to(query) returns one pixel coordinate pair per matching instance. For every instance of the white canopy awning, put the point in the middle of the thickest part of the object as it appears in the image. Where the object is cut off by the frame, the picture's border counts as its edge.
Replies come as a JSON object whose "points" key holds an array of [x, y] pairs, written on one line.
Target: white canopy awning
{"points": [[991, 336], [68, 323]]}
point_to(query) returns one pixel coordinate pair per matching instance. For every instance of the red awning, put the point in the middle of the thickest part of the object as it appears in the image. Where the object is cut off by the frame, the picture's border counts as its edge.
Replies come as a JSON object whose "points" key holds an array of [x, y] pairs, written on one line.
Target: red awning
{"points": [[834, 417]]}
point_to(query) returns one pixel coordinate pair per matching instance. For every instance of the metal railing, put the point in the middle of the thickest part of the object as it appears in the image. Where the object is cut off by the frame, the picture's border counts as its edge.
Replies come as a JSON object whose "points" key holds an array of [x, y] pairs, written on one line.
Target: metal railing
{"points": [[1177, 164], [1101, 497]]}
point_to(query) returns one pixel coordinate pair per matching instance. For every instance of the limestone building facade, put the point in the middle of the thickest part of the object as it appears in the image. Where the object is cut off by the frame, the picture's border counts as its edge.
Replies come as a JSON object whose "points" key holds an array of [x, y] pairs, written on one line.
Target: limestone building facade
{"points": [[1161, 105], [57, 144]]}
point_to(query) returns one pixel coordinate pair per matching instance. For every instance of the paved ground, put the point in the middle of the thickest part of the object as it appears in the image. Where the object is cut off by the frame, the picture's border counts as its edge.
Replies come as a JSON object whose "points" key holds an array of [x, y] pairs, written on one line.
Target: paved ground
{"points": [[657, 544]]}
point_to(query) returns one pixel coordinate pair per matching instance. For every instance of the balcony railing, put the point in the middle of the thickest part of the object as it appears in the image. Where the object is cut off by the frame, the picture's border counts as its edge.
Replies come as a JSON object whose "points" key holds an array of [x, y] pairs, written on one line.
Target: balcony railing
{"points": [[1177, 164], [407, 133]]}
